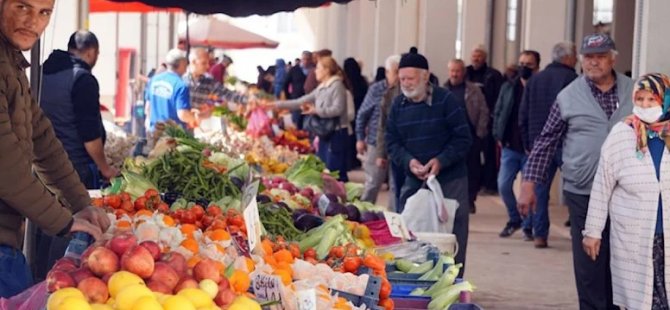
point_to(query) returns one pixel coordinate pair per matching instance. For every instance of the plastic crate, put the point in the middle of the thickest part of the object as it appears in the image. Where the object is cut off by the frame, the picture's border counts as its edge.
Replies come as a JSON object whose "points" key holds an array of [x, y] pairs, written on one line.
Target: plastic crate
{"points": [[404, 290], [410, 303], [464, 307], [371, 297]]}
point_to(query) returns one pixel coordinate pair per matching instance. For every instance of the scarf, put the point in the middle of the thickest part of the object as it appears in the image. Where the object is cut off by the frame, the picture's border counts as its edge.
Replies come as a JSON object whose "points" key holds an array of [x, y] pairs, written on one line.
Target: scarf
{"points": [[659, 85]]}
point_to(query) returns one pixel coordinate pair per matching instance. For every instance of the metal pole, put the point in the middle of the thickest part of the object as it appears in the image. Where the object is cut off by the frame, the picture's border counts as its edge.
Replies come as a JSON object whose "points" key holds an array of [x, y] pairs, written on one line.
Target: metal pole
{"points": [[82, 22]]}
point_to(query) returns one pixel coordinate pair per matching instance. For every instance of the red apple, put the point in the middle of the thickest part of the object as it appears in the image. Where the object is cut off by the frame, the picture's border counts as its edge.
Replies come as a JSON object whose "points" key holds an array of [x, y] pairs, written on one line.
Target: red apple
{"points": [[139, 261], [224, 298], [58, 279], [185, 282], [207, 269], [156, 286], [176, 261], [86, 254], [164, 274], [81, 274], [94, 289], [103, 261], [153, 248], [122, 243], [65, 264], [224, 284]]}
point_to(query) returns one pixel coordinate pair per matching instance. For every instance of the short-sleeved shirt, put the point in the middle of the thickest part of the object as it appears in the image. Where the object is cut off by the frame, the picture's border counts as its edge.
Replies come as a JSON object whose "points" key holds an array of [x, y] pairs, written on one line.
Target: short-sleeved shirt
{"points": [[168, 94]]}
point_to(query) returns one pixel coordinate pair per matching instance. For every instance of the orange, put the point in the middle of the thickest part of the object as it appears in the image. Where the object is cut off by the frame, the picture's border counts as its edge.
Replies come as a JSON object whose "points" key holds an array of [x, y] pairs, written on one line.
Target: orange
{"points": [[144, 212], [188, 229], [168, 221], [218, 235], [284, 275], [191, 245], [270, 260], [123, 224], [195, 259], [240, 281], [251, 266], [220, 248], [266, 245], [283, 256]]}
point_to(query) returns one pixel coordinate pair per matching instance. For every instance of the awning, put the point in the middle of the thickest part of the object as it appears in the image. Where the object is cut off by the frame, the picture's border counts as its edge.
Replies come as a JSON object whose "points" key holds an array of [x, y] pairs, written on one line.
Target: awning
{"points": [[209, 31], [237, 8], [104, 6]]}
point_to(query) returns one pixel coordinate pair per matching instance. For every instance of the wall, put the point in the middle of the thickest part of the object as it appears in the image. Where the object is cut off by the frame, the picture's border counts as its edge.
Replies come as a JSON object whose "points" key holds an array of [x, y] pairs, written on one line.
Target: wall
{"points": [[543, 26]]}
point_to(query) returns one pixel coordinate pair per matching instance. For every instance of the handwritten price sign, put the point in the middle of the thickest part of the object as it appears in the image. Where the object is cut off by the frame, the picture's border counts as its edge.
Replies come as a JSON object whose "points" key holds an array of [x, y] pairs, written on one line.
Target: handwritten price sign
{"points": [[268, 288]]}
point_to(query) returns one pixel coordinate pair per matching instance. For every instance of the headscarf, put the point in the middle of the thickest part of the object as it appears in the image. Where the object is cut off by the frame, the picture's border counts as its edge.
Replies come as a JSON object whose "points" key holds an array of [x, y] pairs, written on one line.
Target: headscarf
{"points": [[659, 85], [280, 75]]}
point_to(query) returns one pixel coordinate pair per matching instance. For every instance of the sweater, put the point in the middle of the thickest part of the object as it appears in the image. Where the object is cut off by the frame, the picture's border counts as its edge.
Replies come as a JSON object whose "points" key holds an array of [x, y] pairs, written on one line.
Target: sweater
{"points": [[367, 118], [329, 98]]}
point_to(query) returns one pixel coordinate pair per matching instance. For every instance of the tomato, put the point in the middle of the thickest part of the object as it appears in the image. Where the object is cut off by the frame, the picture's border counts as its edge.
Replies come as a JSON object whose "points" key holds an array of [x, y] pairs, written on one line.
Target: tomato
{"points": [[98, 202], [387, 303], [207, 221], [336, 251], [125, 196], [351, 264], [151, 193], [214, 210], [309, 253], [198, 211], [163, 208], [295, 250], [236, 220], [188, 217], [119, 213], [141, 203], [177, 215], [385, 289], [113, 201], [218, 224], [128, 206]]}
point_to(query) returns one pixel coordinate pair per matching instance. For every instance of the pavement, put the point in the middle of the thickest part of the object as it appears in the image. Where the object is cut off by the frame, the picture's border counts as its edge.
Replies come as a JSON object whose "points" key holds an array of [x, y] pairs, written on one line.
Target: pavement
{"points": [[509, 273]]}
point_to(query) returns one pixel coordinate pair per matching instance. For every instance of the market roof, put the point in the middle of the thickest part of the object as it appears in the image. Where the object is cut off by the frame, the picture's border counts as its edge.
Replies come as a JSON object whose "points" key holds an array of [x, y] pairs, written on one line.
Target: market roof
{"points": [[237, 8]]}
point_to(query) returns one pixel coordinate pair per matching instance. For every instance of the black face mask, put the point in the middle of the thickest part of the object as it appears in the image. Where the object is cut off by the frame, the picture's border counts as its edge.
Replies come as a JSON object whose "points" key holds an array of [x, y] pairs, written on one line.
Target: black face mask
{"points": [[525, 72]]}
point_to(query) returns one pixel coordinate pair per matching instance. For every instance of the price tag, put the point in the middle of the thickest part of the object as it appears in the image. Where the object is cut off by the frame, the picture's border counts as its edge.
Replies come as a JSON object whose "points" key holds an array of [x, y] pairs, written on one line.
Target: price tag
{"points": [[396, 225], [268, 288], [249, 193], [307, 299], [253, 223]]}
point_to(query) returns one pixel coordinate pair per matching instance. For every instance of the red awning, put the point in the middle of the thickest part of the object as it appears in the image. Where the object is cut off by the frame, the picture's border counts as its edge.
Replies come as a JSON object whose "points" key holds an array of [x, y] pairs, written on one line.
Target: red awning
{"points": [[103, 6]]}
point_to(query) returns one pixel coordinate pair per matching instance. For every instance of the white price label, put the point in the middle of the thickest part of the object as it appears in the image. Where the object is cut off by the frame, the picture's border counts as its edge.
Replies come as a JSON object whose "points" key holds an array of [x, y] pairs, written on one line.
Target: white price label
{"points": [[253, 223], [250, 192], [396, 225], [268, 288], [307, 299]]}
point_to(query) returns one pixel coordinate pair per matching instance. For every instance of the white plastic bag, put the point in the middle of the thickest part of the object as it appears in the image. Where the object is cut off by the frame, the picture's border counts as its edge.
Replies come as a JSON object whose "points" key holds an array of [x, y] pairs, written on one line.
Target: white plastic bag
{"points": [[428, 211]]}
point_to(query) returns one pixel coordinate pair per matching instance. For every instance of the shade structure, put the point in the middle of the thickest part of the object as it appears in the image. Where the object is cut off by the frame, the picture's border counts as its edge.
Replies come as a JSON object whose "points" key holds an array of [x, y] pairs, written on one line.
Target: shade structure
{"points": [[106, 6], [237, 8], [208, 31]]}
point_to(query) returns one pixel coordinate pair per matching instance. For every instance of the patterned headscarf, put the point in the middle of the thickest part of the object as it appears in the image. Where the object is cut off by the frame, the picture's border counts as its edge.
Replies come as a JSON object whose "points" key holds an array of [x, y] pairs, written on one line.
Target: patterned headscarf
{"points": [[659, 85]]}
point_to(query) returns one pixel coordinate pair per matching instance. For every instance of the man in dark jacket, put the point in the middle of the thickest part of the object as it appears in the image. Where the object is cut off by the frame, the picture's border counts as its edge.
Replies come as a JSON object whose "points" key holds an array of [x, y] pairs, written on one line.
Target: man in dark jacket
{"points": [[489, 80], [71, 100], [507, 133], [539, 96], [294, 86]]}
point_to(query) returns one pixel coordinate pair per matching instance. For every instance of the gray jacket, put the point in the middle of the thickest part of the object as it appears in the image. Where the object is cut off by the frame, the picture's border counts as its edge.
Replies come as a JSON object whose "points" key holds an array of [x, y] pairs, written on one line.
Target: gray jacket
{"points": [[329, 98]]}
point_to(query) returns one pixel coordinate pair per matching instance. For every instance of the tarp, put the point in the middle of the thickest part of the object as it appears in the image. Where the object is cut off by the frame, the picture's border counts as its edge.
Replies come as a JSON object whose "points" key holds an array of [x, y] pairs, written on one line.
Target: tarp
{"points": [[237, 8], [104, 6], [213, 32]]}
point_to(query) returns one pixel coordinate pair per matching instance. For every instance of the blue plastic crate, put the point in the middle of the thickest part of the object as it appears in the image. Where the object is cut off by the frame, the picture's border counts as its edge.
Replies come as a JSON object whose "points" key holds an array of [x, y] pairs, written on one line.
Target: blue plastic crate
{"points": [[404, 290]]}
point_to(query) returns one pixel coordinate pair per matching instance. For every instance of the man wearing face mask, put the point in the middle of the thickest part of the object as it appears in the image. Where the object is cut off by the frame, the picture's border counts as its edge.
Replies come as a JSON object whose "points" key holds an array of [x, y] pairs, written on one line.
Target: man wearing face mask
{"points": [[507, 133], [584, 113]]}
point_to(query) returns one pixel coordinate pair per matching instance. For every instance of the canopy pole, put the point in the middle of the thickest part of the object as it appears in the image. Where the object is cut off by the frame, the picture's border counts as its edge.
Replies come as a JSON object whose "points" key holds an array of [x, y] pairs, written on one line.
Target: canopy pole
{"points": [[188, 37]]}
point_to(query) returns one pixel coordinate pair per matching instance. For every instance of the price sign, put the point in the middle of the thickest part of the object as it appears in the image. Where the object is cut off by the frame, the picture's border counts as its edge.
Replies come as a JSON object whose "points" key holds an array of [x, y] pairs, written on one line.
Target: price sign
{"points": [[252, 221], [307, 299], [396, 225], [268, 288], [249, 193]]}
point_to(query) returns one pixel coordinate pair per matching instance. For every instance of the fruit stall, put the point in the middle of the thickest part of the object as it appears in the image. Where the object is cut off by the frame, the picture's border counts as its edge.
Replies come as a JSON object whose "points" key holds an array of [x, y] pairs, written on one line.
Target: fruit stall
{"points": [[245, 221]]}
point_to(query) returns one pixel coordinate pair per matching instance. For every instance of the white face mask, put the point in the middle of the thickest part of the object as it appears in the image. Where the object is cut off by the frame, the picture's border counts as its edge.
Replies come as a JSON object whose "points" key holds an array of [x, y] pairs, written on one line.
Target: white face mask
{"points": [[648, 115]]}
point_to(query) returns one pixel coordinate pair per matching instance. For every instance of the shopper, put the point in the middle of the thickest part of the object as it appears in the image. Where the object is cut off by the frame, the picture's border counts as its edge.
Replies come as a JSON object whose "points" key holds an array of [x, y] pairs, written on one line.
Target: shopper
{"points": [[280, 77], [38, 180], [359, 88], [294, 86], [219, 70], [311, 82], [628, 193], [396, 173]]}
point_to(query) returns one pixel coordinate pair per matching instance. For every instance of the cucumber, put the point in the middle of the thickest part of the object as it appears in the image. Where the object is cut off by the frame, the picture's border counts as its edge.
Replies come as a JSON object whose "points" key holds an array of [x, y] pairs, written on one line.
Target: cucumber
{"points": [[423, 268], [405, 265]]}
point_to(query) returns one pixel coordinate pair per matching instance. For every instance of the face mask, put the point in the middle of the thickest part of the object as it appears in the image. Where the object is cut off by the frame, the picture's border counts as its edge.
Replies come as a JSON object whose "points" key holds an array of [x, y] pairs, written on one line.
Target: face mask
{"points": [[525, 72], [648, 115]]}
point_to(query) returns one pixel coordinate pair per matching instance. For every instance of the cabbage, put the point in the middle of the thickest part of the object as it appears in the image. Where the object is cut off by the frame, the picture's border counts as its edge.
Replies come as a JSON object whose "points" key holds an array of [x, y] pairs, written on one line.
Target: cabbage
{"points": [[240, 165], [354, 190], [135, 184]]}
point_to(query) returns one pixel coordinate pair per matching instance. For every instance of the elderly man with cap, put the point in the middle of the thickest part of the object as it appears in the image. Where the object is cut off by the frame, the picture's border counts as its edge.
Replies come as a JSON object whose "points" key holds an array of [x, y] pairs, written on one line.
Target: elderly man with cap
{"points": [[427, 133], [580, 120], [168, 94]]}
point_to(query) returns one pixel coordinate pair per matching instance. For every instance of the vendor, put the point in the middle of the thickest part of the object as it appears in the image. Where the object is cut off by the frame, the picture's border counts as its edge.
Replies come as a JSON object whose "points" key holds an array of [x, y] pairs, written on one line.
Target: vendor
{"points": [[28, 145]]}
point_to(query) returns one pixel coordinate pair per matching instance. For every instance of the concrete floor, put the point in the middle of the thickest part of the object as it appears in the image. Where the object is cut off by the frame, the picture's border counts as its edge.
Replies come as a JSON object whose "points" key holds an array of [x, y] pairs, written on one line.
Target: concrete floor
{"points": [[510, 274]]}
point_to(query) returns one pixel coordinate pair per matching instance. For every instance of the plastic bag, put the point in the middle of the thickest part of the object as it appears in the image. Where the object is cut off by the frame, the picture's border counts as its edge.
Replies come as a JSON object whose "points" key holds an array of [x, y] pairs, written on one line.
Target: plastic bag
{"points": [[259, 123], [428, 211], [30, 299]]}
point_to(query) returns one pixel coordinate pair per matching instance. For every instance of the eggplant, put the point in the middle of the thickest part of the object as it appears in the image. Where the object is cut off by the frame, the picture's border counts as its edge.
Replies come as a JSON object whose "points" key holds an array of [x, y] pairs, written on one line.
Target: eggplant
{"points": [[282, 204], [297, 213], [263, 199], [306, 222], [335, 208], [369, 216], [353, 214], [237, 181]]}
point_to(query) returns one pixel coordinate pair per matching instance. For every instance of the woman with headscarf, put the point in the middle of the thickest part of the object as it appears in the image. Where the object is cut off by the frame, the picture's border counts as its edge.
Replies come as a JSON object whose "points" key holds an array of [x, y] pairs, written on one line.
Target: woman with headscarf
{"points": [[358, 87], [632, 188], [280, 76]]}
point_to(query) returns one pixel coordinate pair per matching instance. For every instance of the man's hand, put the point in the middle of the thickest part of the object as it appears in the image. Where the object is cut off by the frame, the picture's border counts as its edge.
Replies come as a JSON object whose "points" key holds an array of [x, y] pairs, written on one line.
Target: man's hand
{"points": [[361, 147], [382, 163], [109, 172], [94, 216], [419, 170], [527, 200], [591, 247], [434, 166], [82, 225]]}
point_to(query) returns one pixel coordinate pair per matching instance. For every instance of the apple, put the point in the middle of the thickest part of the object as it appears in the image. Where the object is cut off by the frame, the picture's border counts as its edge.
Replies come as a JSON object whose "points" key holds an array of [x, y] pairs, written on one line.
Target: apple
{"points": [[224, 284], [122, 243], [164, 274], [224, 298], [185, 282], [94, 289], [58, 279], [156, 286], [139, 261], [80, 274], [103, 261], [65, 264], [176, 261], [84, 256], [206, 269], [153, 248]]}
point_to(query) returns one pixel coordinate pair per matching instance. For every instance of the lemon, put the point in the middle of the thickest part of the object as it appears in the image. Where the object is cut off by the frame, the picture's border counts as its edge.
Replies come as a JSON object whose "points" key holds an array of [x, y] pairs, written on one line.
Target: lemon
{"points": [[147, 303], [127, 297], [121, 280], [111, 302], [102, 307], [73, 303], [198, 297], [210, 287], [161, 297], [244, 303], [59, 295], [177, 303]]}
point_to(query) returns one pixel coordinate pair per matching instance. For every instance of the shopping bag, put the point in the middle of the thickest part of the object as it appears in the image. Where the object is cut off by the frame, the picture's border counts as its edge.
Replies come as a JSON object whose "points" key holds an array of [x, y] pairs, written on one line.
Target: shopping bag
{"points": [[428, 211], [259, 123], [33, 298]]}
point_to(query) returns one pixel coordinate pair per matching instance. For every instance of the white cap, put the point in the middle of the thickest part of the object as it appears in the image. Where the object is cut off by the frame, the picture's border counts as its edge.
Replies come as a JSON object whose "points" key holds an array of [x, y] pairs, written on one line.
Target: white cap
{"points": [[174, 56]]}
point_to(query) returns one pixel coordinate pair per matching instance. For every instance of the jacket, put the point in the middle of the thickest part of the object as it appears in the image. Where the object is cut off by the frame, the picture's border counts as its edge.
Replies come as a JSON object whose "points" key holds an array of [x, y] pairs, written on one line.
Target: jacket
{"points": [[538, 97], [475, 106], [384, 108], [28, 141], [294, 85], [330, 100], [503, 109], [488, 79]]}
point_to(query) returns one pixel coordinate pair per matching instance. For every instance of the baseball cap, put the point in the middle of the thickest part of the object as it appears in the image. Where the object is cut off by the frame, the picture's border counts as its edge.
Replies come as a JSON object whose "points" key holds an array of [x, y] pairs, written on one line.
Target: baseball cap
{"points": [[174, 56], [596, 43]]}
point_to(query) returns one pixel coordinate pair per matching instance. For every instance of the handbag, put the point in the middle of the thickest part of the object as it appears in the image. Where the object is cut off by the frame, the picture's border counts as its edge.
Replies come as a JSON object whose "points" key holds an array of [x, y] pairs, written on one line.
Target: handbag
{"points": [[323, 127]]}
